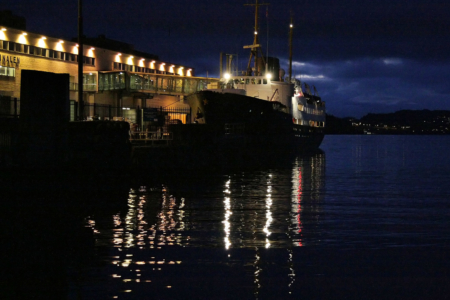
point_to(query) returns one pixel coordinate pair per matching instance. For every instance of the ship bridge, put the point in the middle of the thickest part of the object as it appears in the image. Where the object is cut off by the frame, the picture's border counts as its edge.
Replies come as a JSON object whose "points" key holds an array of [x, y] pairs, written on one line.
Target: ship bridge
{"points": [[148, 83]]}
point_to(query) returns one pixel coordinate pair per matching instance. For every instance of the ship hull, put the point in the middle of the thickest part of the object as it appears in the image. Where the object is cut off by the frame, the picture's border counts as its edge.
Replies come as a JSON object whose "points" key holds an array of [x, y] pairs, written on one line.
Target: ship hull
{"points": [[233, 121]]}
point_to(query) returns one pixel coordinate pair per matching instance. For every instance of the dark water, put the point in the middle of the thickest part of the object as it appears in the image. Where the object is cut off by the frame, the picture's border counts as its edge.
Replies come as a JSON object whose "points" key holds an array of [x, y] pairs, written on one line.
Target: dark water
{"points": [[366, 218]]}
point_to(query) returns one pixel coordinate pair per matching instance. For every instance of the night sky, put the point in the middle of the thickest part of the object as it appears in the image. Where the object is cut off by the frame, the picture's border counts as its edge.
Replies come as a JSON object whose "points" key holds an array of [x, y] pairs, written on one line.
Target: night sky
{"points": [[363, 56]]}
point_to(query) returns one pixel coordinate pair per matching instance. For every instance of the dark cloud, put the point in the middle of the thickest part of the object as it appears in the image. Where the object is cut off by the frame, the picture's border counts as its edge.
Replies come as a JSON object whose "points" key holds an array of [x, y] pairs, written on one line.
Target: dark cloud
{"points": [[363, 56]]}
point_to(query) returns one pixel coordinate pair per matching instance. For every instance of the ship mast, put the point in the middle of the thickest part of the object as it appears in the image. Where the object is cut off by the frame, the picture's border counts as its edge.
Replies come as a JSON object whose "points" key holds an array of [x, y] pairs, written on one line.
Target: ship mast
{"points": [[256, 47], [290, 49]]}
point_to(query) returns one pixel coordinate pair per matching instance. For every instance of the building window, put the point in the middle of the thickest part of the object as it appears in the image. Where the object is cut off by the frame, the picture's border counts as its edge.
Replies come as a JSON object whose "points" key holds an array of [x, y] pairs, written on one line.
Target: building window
{"points": [[26, 49], [9, 72], [66, 56], [37, 51], [44, 52], [50, 53], [5, 45], [74, 57], [11, 46], [18, 48], [32, 49], [63, 55], [56, 54]]}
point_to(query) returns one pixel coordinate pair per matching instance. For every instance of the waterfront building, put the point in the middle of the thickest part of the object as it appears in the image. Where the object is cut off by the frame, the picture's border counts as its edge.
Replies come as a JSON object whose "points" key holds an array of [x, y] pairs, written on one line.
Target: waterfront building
{"points": [[117, 79]]}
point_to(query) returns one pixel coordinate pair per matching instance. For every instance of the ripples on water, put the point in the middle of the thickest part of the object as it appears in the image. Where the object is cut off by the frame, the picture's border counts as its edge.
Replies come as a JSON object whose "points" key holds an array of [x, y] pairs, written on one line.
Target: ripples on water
{"points": [[367, 217], [213, 229], [241, 231]]}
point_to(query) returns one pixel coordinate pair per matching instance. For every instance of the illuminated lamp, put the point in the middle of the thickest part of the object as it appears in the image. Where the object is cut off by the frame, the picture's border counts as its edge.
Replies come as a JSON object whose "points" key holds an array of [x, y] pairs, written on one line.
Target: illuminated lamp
{"points": [[256, 32], [227, 76], [3, 29], [24, 33], [61, 42], [268, 76]]}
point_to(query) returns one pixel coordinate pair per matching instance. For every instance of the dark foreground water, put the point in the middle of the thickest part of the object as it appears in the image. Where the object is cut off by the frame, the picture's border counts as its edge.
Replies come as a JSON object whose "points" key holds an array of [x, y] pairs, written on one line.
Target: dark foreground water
{"points": [[366, 218]]}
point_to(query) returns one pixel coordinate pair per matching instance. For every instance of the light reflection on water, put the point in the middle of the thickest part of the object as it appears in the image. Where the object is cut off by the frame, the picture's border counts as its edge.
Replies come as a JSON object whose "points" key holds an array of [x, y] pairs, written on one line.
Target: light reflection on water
{"points": [[288, 228], [165, 228]]}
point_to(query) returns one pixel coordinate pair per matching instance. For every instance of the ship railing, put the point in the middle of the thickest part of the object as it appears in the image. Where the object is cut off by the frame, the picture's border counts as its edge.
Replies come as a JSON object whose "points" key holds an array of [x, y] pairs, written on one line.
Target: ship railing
{"points": [[150, 137]]}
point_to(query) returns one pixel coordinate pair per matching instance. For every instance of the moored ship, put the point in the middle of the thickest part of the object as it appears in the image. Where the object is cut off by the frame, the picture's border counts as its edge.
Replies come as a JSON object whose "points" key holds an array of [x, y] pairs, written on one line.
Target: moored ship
{"points": [[260, 108]]}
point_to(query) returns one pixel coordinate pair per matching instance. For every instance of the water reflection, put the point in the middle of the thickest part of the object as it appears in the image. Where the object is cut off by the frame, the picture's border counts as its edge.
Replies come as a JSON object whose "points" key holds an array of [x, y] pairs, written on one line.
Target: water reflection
{"points": [[174, 224]]}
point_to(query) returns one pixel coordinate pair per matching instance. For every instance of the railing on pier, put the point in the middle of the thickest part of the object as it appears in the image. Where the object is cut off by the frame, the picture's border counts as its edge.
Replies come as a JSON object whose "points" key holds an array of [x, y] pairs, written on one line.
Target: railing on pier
{"points": [[150, 138]]}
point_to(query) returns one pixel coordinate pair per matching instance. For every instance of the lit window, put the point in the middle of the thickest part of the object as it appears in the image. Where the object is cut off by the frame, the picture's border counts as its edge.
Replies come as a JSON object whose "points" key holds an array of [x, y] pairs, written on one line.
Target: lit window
{"points": [[6, 71]]}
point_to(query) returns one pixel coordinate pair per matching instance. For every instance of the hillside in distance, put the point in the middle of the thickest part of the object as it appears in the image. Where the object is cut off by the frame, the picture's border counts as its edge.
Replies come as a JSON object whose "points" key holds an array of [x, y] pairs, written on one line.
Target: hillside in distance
{"points": [[400, 122]]}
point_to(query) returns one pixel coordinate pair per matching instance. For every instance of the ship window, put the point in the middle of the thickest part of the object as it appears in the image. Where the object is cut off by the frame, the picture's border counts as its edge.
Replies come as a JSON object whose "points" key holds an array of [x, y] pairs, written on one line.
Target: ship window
{"points": [[258, 81], [247, 81], [264, 81], [253, 80]]}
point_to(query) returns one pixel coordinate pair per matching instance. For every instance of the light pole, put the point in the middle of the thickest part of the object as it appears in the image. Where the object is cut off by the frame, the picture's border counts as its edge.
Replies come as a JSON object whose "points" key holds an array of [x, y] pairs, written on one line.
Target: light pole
{"points": [[80, 62]]}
